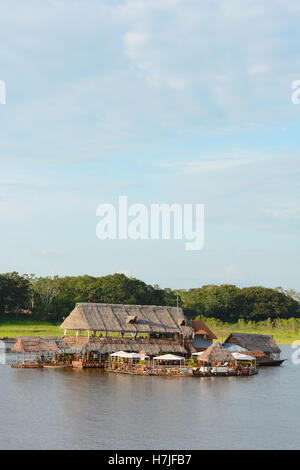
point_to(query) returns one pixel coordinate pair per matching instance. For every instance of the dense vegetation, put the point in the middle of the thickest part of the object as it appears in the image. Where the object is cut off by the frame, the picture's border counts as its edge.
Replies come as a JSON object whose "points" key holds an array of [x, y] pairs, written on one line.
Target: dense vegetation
{"points": [[52, 299]]}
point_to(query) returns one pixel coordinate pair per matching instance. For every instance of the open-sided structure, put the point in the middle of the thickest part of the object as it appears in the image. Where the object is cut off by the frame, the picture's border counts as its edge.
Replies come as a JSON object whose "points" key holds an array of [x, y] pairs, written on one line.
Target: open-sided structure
{"points": [[32, 348], [149, 329]]}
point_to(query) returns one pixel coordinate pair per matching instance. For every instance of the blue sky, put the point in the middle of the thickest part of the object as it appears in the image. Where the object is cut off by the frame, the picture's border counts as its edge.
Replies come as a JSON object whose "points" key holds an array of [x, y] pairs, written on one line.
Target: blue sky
{"points": [[163, 101]]}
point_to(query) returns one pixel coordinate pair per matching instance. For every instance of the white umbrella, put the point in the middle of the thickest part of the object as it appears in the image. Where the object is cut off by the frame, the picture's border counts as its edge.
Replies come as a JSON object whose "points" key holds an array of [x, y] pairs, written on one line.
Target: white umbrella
{"points": [[169, 357], [120, 354], [135, 355]]}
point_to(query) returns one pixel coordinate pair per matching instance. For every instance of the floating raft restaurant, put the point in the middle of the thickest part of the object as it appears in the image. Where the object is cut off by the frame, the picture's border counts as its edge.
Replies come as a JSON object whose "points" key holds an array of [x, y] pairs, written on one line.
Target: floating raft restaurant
{"points": [[143, 340]]}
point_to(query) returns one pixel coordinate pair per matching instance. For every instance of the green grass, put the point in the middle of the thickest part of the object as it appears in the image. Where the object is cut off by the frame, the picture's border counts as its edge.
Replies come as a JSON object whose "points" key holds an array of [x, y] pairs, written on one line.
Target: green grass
{"points": [[16, 328], [280, 338], [284, 331]]}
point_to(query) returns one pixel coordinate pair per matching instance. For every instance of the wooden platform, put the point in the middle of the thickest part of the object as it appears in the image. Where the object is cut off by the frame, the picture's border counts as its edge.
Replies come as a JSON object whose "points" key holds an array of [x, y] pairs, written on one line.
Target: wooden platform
{"points": [[88, 365], [26, 366], [54, 366], [190, 373]]}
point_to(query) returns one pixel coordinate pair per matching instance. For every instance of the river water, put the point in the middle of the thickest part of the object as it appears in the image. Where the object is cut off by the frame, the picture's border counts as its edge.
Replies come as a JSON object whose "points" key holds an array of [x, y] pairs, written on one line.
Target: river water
{"points": [[92, 409]]}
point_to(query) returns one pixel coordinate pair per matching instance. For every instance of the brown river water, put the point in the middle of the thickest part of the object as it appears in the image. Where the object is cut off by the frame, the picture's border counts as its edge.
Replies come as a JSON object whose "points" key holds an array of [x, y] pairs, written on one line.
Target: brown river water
{"points": [[92, 409]]}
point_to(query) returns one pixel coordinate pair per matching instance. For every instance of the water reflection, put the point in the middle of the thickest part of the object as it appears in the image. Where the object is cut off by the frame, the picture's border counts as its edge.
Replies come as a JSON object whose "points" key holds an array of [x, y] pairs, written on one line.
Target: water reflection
{"points": [[92, 409]]}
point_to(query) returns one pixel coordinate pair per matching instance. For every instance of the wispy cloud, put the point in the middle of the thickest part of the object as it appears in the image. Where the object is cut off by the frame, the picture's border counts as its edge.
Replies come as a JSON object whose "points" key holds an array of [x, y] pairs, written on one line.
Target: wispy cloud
{"points": [[189, 99], [206, 165], [46, 252], [287, 211]]}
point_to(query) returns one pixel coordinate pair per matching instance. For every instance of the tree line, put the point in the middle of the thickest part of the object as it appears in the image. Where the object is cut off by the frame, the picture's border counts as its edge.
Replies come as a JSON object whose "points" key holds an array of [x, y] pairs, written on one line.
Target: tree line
{"points": [[53, 298]]}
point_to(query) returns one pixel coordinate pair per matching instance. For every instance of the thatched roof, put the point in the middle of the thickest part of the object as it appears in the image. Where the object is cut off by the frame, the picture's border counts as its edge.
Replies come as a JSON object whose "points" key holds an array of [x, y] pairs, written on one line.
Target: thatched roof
{"points": [[233, 347], [257, 354], [105, 347], [34, 344], [127, 318], [253, 342], [73, 344], [216, 353], [200, 328]]}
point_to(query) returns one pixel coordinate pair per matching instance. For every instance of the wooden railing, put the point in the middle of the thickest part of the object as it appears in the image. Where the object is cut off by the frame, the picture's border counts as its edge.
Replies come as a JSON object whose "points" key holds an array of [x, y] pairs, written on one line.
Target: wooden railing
{"points": [[115, 340]]}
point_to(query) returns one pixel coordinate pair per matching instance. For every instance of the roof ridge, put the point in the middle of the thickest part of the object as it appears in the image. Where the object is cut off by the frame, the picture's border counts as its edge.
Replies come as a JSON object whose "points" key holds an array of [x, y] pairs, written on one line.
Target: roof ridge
{"points": [[129, 305]]}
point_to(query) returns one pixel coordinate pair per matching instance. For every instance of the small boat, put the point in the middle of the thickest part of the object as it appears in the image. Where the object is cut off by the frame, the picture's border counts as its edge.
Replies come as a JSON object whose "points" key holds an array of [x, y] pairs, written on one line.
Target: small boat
{"points": [[269, 362], [58, 366], [16, 365]]}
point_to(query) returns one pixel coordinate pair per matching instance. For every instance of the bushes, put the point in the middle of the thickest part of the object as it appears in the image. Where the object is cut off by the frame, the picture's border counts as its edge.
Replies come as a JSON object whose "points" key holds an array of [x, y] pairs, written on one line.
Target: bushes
{"points": [[230, 303], [52, 299], [284, 330]]}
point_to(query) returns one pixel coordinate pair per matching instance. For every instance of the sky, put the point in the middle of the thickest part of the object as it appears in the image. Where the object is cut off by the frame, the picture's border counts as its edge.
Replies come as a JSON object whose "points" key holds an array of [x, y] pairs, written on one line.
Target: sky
{"points": [[164, 101]]}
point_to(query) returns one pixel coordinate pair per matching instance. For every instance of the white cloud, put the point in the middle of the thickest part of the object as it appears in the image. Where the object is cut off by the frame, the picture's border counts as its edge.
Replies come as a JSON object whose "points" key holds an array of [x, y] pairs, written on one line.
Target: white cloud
{"points": [[287, 211], [5, 208], [46, 252], [193, 83], [133, 43], [206, 165], [126, 272], [236, 52], [142, 70], [232, 274]]}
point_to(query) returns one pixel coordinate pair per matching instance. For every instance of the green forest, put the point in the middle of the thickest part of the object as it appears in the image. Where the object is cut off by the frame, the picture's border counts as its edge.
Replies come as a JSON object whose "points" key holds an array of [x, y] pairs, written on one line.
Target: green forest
{"points": [[51, 299]]}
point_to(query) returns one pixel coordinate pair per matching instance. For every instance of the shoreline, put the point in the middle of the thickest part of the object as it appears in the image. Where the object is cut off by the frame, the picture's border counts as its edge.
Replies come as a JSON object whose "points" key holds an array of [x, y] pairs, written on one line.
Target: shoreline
{"points": [[287, 342], [9, 331]]}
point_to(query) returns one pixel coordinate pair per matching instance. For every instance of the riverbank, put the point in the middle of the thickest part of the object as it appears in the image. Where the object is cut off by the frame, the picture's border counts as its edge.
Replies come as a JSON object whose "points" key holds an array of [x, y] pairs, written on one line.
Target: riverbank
{"points": [[15, 328], [285, 333]]}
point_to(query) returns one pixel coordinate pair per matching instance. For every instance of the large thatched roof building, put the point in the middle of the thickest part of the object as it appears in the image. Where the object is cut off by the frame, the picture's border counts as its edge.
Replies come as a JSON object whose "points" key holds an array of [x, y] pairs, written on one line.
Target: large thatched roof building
{"points": [[107, 346], [133, 328], [127, 319]]}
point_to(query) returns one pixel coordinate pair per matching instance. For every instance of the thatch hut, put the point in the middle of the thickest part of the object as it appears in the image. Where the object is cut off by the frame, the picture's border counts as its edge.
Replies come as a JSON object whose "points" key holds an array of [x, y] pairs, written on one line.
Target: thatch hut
{"points": [[34, 346], [216, 354], [256, 342]]}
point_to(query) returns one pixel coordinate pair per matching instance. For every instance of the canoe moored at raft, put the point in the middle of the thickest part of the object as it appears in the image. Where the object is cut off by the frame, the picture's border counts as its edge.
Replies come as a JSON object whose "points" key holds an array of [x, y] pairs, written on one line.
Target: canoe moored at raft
{"points": [[269, 363]]}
